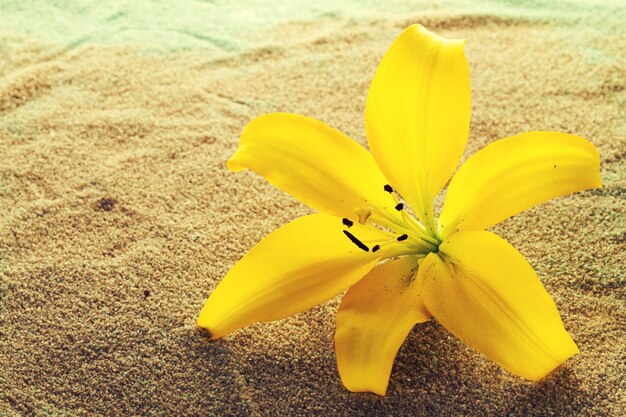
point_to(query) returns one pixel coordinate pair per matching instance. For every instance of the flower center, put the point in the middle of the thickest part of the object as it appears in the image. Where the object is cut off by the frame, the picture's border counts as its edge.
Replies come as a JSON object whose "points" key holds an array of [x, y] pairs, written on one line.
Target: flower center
{"points": [[406, 235]]}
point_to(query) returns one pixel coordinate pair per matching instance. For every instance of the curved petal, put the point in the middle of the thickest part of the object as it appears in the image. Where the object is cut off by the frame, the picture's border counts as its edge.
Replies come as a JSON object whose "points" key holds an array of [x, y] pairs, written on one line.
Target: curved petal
{"points": [[417, 114], [514, 174], [318, 165], [487, 295], [375, 317], [298, 266]]}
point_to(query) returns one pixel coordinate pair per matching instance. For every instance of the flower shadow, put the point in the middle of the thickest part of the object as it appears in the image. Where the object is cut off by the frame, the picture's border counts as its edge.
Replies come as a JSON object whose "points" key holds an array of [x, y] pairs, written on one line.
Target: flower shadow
{"points": [[434, 374]]}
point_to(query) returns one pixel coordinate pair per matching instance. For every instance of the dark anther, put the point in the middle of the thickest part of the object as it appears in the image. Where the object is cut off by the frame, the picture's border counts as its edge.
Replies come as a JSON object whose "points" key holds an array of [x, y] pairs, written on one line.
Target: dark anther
{"points": [[402, 237], [399, 206], [356, 241], [347, 222], [388, 188], [375, 248]]}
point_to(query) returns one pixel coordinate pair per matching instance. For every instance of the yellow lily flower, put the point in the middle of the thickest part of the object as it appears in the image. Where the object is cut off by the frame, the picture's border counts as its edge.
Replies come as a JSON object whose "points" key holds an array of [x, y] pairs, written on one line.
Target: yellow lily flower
{"points": [[471, 281]]}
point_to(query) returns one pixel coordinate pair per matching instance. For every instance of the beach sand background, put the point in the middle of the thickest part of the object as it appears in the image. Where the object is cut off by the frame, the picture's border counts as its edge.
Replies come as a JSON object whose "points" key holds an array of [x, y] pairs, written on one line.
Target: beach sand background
{"points": [[118, 216]]}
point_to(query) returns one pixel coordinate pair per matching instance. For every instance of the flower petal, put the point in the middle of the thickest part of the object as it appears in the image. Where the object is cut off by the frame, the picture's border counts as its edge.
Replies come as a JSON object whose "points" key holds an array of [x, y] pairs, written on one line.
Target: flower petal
{"points": [[516, 173], [318, 165], [486, 294], [298, 266], [417, 114], [375, 317]]}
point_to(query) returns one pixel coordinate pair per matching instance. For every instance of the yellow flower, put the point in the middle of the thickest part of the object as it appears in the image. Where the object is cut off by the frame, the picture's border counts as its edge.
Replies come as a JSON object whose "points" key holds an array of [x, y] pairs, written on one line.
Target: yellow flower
{"points": [[471, 281]]}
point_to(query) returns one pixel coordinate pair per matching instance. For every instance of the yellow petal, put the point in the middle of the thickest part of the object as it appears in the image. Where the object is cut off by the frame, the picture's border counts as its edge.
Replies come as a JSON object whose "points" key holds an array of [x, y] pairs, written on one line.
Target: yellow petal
{"points": [[516, 173], [318, 165], [375, 317], [298, 266], [417, 114], [487, 295]]}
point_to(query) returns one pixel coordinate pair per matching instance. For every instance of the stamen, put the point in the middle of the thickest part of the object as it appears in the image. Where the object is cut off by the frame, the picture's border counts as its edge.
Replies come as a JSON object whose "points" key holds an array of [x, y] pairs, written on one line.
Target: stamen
{"points": [[415, 231], [347, 222], [375, 248], [388, 188], [356, 241], [399, 206], [402, 237]]}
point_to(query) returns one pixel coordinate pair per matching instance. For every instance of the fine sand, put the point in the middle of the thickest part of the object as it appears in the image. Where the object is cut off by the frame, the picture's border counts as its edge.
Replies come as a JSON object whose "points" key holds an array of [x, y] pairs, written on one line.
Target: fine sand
{"points": [[118, 218]]}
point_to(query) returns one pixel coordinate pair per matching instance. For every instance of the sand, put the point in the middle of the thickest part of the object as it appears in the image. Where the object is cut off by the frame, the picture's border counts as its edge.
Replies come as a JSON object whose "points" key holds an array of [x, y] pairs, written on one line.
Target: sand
{"points": [[118, 217]]}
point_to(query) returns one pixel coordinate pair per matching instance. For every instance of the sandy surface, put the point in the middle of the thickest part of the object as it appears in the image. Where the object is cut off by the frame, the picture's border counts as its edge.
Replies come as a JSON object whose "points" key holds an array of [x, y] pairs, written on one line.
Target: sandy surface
{"points": [[118, 217]]}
